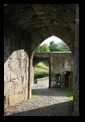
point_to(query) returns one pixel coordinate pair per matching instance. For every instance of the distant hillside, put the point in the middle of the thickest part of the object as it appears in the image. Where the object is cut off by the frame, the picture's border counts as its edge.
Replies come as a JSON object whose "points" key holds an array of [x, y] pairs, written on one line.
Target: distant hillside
{"points": [[41, 70], [60, 44]]}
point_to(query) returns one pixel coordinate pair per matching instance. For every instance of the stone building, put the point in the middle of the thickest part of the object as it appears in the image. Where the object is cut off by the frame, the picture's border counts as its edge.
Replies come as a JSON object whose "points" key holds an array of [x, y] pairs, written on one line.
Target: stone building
{"points": [[60, 67]]}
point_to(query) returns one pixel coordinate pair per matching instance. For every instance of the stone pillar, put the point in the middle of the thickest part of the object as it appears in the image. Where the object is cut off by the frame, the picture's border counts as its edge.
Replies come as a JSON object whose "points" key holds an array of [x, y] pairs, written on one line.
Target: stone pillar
{"points": [[71, 80], [76, 64], [29, 78], [50, 71], [52, 81], [62, 80], [32, 76]]}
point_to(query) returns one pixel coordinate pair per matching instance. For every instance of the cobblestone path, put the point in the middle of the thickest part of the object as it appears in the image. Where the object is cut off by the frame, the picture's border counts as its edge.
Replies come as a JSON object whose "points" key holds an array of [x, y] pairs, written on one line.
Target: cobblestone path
{"points": [[47, 102]]}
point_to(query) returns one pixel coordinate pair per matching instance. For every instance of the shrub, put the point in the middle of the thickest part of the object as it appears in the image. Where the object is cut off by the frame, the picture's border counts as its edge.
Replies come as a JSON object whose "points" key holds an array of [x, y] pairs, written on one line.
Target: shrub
{"points": [[41, 75]]}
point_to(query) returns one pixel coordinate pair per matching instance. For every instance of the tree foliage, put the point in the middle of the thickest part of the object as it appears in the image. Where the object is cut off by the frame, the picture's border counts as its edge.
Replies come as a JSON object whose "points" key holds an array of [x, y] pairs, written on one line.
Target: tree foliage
{"points": [[65, 48], [43, 48], [52, 47]]}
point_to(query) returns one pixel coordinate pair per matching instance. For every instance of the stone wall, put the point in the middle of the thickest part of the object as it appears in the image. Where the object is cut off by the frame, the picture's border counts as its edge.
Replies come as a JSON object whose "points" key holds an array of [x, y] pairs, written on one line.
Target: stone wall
{"points": [[16, 63], [76, 65], [60, 64]]}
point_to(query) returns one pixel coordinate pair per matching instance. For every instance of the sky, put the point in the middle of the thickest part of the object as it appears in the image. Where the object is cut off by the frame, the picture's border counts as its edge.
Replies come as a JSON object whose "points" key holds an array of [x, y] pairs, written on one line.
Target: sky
{"points": [[52, 38]]}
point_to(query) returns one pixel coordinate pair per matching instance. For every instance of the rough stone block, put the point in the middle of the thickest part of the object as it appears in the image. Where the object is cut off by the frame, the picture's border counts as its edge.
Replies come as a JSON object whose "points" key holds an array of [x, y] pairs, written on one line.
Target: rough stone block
{"points": [[53, 84], [9, 89], [23, 56], [19, 54], [27, 62], [67, 66], [17, 72], [18, 88], [26, 93], [23, 72], [14, 64], [23, 63], [13, 100], [6, 72]]}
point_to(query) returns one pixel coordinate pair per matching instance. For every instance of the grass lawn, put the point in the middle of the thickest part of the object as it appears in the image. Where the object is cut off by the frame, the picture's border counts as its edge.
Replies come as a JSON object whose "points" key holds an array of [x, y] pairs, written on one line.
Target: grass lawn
{"points": [[41, 70], [67, 91]]}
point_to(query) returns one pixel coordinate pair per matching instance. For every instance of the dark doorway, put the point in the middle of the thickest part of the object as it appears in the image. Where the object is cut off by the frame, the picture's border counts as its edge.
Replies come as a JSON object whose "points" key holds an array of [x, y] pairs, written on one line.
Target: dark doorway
{"points": [[58, 80], [67, 78]]}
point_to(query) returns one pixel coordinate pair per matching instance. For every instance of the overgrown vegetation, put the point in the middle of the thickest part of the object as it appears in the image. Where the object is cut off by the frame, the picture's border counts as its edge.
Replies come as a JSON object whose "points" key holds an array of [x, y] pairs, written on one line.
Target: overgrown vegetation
{"points": [[67, 91], [42, 48], [41, 70], [52, 47]]}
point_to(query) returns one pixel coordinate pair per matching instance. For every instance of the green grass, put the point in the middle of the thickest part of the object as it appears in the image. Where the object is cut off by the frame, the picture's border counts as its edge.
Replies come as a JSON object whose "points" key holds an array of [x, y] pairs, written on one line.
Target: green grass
{"points": [[67, 91], [33, 94], [41, 70]]}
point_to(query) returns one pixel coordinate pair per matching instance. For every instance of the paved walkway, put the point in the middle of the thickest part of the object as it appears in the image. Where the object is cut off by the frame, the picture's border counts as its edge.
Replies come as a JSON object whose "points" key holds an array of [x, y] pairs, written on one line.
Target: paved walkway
{"points": [[47, 102]]}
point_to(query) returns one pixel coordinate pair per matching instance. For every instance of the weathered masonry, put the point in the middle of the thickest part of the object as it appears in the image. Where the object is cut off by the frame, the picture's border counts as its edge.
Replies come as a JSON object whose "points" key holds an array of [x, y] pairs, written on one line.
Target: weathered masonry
{"points": [[25, 27], [60, 67]]}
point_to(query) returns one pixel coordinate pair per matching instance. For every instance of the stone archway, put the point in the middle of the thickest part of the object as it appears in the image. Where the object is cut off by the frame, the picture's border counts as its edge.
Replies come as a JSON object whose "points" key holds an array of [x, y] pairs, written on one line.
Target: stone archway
{"points": [[33, 23]]}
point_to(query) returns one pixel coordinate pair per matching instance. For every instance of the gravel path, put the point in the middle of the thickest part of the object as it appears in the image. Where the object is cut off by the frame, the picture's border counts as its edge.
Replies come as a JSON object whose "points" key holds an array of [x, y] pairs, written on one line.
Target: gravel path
{"points": [[47, 102]]}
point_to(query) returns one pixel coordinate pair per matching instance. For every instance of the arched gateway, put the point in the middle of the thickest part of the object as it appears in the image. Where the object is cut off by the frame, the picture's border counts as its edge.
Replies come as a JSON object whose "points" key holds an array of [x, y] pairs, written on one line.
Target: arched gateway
{"points": [[25, 27]]}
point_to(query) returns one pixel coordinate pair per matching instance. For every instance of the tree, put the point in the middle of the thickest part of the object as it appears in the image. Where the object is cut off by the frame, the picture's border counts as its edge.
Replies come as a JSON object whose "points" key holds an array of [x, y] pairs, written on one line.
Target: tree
{"points": [[43, 48], [65, 48], [53, 47]]}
